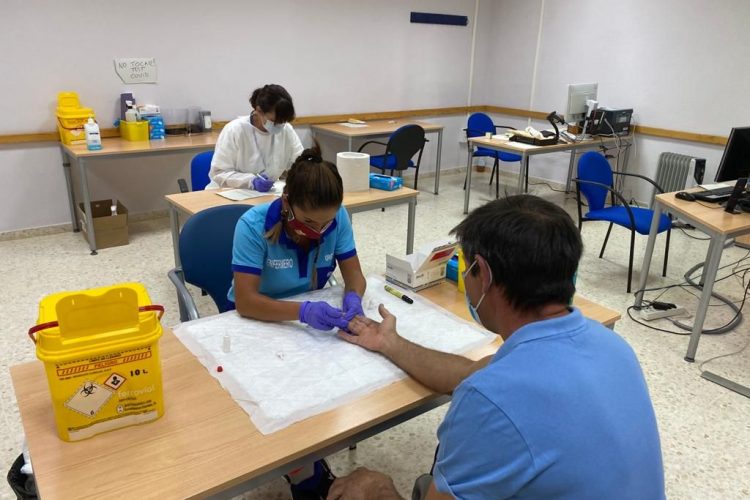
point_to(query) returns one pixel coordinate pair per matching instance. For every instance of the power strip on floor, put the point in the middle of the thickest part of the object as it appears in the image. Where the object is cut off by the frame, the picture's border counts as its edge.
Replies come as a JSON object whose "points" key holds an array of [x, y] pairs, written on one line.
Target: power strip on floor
{"points": [[650, 314]]}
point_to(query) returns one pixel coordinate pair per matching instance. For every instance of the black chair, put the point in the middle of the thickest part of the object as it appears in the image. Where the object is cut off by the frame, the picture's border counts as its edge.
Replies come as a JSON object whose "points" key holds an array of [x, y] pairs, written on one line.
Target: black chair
{"points": [[402, 145]]}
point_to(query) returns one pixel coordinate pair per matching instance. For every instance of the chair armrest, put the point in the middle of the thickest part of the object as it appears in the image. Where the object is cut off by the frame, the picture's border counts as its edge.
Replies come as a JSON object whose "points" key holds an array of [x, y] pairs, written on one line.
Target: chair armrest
{"points": [[183, 186], [505, 126], [613, 192], [658, 187], [183, 294], [370, 142]]}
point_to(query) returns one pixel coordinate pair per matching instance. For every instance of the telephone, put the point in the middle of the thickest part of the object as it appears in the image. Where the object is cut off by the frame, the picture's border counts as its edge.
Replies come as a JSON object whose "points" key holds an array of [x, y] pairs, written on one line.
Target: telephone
{"points": [[567, 136], [534, 132]]}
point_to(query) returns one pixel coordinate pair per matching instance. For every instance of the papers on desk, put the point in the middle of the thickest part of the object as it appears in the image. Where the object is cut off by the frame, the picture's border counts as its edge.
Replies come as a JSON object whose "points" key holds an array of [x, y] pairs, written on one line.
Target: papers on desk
{"points": [[353, 125], [716, 185], [247, 194], [281, 373]]}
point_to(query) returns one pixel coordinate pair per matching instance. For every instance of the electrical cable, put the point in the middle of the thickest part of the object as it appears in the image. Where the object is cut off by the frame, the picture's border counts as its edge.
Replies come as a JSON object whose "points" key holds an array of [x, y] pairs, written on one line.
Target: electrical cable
{"points": [[548, 185], [691, 236], [700, 367], [689, 280], [736, 320], [712, 207]]}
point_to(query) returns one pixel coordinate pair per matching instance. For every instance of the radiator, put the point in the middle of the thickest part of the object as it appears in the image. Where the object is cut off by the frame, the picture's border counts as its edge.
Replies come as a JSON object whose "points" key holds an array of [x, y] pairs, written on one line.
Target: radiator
{"points": [[672, 172]]}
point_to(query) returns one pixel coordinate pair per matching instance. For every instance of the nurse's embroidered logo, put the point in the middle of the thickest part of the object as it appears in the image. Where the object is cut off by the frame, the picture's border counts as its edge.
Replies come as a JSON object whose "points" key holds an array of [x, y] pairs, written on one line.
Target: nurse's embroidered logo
{"points": [[280, 263]]}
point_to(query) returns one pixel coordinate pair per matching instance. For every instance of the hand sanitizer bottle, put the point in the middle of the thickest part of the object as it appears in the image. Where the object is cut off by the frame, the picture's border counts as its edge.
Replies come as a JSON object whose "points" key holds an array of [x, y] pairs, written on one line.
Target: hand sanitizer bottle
{"points": [[93, 138]]}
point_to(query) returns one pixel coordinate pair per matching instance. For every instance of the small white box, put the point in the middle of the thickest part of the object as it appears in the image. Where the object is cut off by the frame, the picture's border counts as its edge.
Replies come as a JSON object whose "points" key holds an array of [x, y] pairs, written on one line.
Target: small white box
{"points": [[422, 269]]}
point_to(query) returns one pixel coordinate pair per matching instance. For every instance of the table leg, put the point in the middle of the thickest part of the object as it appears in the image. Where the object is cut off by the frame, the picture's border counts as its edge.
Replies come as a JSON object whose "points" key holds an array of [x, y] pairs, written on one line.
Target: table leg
{"points": [[349, 143], [571, 166], [626, 156], [649, 252], [410, 225], [522, 172], [437, 160], [709, 272], [174, 221], [71, 192], [87, 205], [467, 191]]}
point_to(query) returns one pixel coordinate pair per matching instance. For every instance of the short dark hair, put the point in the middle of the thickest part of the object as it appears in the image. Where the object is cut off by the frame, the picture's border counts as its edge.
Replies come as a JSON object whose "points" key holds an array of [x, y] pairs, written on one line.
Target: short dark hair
{"points": [[531, 245], [314, 183], [274, 98]]}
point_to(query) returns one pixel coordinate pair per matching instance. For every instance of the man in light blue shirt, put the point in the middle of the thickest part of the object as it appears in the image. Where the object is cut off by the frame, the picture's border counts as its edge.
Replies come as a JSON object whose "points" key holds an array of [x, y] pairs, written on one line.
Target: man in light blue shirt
{"points": [[560, 411]]}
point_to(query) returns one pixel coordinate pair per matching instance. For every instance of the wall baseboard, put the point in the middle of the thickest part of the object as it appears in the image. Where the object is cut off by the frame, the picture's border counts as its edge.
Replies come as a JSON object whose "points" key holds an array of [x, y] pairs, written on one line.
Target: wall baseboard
{"points": [[33, 232]]}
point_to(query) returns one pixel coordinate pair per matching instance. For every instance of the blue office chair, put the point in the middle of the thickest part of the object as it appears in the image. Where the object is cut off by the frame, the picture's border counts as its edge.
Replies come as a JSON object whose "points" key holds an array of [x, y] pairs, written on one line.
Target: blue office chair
{"points": [[402, 145], [199, 168], [479, 124], [595, 180], [206, 254]]}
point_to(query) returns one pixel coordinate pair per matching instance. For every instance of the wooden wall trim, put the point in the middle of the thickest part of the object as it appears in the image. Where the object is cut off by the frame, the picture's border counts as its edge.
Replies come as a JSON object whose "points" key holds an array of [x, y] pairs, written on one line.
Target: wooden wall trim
{"points": [[523, 113], [391, 115], [682, 136]]}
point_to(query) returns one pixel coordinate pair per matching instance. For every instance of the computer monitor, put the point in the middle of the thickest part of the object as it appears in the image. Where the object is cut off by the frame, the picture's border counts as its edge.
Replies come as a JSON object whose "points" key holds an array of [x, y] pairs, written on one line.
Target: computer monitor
{"points": [[578, 94], [735, 162]]}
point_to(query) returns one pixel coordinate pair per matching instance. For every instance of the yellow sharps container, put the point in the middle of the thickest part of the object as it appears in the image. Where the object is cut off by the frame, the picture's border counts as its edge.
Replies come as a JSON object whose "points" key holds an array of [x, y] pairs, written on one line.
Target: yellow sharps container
{"points": [[100, 349]]}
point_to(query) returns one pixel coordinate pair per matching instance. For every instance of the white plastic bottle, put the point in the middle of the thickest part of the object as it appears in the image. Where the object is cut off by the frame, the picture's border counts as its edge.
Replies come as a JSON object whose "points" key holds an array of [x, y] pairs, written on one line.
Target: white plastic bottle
{"points": [[93, 138]]}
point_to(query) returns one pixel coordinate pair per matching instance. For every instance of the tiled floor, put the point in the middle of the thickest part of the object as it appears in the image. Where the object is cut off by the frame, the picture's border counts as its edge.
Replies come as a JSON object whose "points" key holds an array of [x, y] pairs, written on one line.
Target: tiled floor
{"points": [[705, 429]]}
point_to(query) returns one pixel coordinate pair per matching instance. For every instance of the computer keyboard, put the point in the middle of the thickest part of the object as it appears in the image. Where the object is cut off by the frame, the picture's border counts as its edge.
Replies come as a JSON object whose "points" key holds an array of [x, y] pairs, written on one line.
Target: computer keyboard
{"points": [[714, 195]]}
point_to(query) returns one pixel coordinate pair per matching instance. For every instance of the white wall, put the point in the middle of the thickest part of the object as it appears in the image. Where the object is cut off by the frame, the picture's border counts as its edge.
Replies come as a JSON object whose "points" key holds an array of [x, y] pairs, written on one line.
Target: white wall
{"points": [[681, 64], [334, 56]]}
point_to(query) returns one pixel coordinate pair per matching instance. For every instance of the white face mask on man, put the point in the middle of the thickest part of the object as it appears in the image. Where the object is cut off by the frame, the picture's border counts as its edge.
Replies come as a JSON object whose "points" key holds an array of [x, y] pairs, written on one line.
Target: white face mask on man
{"points": [[474, 310]]}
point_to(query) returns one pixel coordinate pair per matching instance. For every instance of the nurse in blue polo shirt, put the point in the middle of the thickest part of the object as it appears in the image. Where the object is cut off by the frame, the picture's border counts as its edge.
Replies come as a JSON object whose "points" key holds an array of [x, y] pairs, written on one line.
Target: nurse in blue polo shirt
{"points": [[292, 245]]}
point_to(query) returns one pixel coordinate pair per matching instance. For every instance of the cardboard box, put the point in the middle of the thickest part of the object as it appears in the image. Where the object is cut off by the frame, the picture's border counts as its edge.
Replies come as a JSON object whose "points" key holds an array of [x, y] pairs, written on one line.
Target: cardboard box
{"points": [[422, 269], [111, 230]]}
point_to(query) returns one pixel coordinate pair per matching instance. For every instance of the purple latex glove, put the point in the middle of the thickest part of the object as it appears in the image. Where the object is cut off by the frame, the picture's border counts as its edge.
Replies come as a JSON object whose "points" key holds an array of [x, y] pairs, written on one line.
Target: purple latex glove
{"points": [[322, 316], [262, 184], [352, 306]]}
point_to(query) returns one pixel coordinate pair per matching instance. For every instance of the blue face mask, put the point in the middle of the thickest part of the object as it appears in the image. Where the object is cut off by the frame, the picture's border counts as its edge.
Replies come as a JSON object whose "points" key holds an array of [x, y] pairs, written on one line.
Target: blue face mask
{"points": [[473, 310]]}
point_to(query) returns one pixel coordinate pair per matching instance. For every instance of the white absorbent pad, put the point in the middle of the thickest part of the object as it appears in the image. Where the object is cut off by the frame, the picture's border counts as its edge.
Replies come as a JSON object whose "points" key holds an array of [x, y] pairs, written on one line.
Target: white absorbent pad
{"points": [[281, 373]]}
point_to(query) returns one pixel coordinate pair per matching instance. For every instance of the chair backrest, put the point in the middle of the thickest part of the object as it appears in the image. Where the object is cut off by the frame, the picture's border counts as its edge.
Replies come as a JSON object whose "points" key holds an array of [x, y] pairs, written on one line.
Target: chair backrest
{"points": [[479, 124], [199, 168], [206, 250], [594, 167], [404, 143]]}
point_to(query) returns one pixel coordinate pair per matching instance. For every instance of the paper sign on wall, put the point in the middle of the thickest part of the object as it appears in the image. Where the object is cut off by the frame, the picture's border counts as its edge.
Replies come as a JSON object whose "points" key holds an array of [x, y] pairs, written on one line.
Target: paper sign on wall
{"points": [[136, 69]]}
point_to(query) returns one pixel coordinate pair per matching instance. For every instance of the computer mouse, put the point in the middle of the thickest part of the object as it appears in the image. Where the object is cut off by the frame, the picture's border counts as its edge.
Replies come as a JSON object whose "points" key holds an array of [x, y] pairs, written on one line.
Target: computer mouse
{"points": [[684, 195]]}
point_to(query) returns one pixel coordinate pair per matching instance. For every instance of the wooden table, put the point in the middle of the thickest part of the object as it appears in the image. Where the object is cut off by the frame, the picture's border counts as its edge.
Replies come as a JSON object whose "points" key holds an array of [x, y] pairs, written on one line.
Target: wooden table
{"points": [[381, 128], [714, 221], [205, 444], [117, 148], [360, 201], [528, 150]]}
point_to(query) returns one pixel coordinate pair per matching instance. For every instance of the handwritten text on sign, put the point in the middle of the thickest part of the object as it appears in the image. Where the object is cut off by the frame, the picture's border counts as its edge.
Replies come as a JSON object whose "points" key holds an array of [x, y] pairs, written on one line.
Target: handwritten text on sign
{"points": [[136, 69]]}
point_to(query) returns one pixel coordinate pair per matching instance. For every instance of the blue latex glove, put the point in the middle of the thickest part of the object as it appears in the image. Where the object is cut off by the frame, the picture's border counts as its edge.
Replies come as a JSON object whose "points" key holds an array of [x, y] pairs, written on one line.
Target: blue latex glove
{"points": [[262, 184], [352, 306], [322, 316]]}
